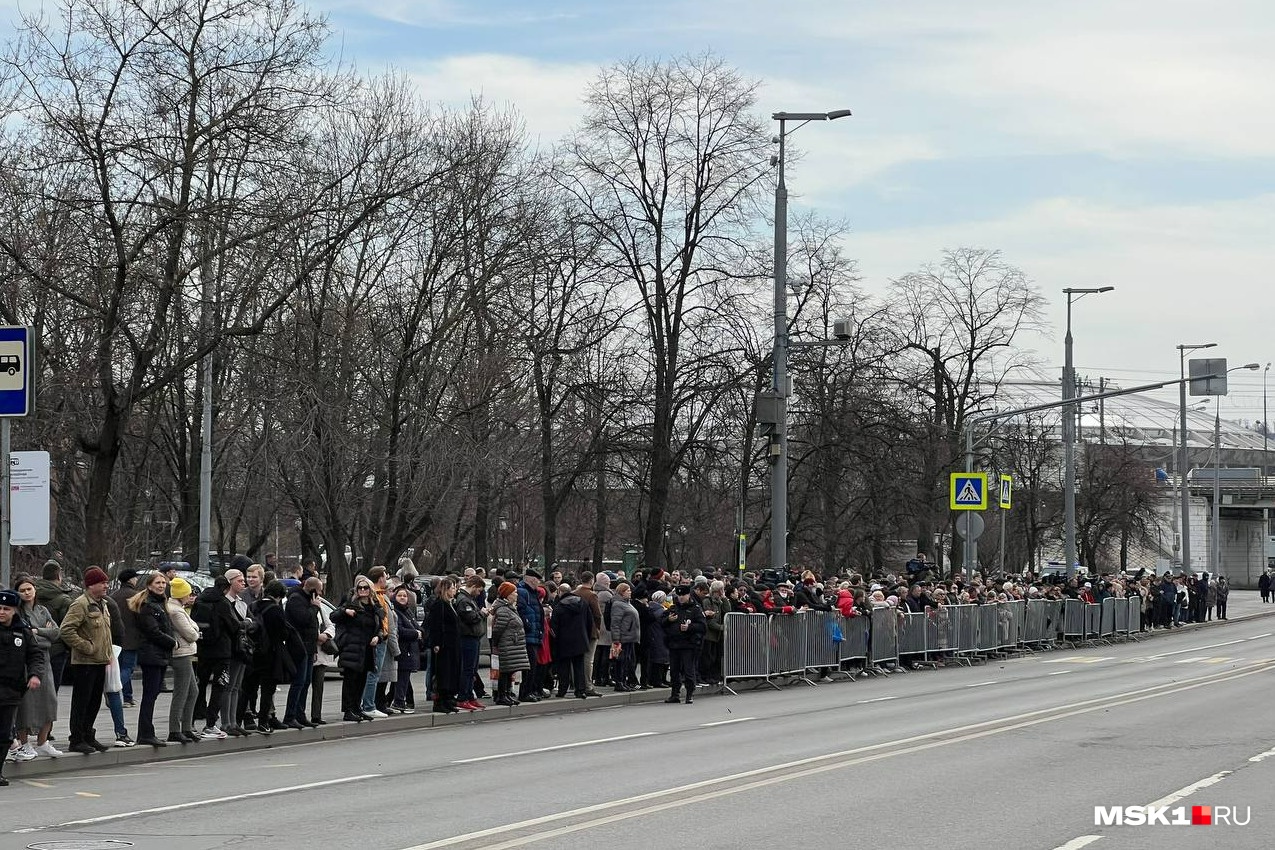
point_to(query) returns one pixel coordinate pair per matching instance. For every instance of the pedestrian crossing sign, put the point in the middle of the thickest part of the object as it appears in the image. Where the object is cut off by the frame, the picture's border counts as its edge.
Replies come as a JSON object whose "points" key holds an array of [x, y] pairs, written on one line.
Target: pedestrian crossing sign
{"points": [[968, 491], [1007, 492]]}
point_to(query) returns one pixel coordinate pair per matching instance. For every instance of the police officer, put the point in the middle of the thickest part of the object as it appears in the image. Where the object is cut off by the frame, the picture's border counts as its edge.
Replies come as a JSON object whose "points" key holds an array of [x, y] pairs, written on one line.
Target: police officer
{"points": [[684, 630], [21, 668]]}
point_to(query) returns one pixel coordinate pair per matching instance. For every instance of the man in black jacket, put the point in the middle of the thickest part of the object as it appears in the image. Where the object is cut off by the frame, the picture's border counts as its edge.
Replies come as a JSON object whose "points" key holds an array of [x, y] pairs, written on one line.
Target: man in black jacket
{"points": [[302, 611], [684, 630], [21, 668]]}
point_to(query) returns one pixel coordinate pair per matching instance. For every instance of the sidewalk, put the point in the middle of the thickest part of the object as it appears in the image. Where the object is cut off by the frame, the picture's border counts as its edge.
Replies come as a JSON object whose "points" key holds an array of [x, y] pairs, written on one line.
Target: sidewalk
{"points": [[1244, 605]]}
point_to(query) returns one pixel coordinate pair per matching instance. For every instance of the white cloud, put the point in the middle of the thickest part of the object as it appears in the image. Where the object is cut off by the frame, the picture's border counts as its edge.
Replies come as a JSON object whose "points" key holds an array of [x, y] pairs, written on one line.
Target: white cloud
{"points": [[548, 95], [1181, 273]]}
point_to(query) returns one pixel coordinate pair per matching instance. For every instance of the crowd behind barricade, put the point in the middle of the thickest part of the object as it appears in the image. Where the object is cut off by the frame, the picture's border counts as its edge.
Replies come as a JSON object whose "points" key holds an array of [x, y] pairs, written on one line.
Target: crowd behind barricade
{"points": [[249, 654]]}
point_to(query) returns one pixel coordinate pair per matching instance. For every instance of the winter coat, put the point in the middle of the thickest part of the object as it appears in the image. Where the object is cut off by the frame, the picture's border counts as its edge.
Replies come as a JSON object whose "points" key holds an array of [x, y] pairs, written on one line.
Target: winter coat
{"points": [[389, 663], [472, 622], [571, 624], [508, 637], [625, 625], [604, 596], [322, 658], [693, 636], [810, 597], [533, 615], [185, 631], [55, 597], [279, 652], [409, 639], [155, 643], [716, 623], [42, 625], [303, 616], [354, 634], [591, 599], [444, 642], [20, 659], [132, 636], [219, 625], [653, 634], [86, 630]]}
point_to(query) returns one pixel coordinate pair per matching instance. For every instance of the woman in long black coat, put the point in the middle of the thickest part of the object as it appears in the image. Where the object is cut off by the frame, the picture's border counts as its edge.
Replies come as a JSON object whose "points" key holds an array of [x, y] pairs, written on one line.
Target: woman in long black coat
{"points": [[571, 623], [444, 642], [409, 647], [358, 622]]}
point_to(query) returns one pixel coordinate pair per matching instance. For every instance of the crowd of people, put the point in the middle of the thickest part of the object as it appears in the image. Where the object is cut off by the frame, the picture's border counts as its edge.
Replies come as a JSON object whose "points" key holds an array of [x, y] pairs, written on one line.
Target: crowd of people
{"points": [[249, 654]]}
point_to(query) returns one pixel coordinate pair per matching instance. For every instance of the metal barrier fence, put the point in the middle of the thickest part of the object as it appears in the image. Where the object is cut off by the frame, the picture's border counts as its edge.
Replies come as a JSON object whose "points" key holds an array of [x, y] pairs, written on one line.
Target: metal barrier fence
{"points": [[765, 648]]}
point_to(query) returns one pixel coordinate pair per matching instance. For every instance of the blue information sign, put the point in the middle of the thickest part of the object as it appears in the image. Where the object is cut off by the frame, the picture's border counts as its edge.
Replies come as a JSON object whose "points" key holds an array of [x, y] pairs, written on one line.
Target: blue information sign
{"points": [[15, 371]]}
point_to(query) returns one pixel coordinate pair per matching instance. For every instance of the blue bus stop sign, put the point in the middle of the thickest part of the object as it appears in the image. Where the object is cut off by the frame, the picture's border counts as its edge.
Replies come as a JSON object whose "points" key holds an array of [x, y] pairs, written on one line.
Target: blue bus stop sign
{"points": [[15, 371]]}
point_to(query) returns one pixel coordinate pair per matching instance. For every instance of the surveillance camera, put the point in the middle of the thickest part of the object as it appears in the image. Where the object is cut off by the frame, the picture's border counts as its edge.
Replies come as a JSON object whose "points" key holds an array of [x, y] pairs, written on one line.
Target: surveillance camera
{"points": [[841, 330]]}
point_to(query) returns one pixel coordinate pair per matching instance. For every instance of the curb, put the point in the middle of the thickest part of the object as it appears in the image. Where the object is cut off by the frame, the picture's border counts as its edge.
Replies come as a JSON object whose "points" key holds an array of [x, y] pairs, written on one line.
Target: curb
{"points": [[333, 731], [341, 730]]}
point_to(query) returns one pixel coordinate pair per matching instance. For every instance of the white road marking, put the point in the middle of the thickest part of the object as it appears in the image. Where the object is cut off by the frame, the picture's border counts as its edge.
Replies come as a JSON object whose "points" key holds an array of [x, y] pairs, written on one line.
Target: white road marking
{"points": [[554, 748], [196, 803], [1160, 655], [1062, 672], [819, 764], [726, 722], [878, 699], [1191, 789], [981, 684], [1079, 659], [1077, 843], [1263, 756]]}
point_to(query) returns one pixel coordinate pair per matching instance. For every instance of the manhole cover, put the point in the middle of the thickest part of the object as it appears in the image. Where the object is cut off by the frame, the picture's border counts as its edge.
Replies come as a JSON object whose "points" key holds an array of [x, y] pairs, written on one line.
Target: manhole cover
{"points": [[87, 844]]}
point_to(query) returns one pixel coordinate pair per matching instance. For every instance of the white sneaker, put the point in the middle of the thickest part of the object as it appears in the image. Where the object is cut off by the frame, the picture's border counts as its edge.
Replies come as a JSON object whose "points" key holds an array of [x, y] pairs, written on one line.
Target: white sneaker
{"points": [[47, 749], [12, 755], [375, 713], [212, 733], [25, 753]]}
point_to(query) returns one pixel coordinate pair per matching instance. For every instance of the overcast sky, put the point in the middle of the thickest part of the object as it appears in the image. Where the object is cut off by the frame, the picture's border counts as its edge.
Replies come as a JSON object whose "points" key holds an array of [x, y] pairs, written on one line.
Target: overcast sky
{"points": [[1127, 143]]}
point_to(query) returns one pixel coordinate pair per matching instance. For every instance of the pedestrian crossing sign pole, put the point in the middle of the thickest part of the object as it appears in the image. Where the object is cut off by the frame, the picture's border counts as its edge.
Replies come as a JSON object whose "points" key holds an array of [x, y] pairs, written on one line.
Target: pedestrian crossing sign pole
{"points": [[967, 491]]}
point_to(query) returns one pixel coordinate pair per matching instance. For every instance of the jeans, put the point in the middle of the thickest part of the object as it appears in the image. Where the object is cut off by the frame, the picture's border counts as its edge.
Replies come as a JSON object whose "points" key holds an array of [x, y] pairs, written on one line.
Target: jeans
{"points": [[128, 663], [373, 676], [469, 647], [115, 704], [87, 684], [152, 684], [230, 696], [181, 713], [295, 708]]}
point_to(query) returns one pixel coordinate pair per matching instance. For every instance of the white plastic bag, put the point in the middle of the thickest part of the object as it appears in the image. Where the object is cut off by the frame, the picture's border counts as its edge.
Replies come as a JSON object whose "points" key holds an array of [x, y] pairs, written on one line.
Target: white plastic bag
{"points": [[113, 683]]}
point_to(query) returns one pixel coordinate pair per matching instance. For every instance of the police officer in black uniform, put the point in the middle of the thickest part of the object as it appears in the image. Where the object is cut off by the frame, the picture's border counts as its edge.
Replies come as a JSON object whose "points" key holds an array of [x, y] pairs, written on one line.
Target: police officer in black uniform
{"points": [[21, 668], [684, 630]]}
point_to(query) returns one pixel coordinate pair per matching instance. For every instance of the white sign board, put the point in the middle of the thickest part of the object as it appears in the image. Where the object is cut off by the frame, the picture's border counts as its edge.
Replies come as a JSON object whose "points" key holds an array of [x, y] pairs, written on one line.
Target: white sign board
{"points": [[30, 498]]}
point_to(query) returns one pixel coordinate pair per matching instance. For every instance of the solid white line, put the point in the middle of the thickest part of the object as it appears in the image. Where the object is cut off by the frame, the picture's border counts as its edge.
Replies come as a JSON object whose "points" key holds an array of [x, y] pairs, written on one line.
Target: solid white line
{"points": [[878, 699], [1262, 756], [1062, 672], [1255, 637], [1194, 649], [829, 761], [1191, 789], [1077, 843], [726, 722], [553, 748], [196, 803], [981, 684]]}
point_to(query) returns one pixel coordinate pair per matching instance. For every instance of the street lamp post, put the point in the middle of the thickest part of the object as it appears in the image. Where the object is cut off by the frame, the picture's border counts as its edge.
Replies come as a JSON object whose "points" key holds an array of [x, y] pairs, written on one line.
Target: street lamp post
{"points": [[1215, 561], [779, 352], [1182, 458], [1069, 432]]}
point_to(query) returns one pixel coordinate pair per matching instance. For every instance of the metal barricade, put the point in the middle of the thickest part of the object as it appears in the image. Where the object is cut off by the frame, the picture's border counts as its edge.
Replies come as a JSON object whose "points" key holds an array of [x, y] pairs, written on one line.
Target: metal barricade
{"points": [[745, 648], [1107, 617], [1093, 621], [884, 645], [986, 638], [965, 624], [1009, 619], [788, 645], [1036, 622], [822, 628], [1073, 620], [1122, 616], [1135, 615], [912, 634], [855, 632]]}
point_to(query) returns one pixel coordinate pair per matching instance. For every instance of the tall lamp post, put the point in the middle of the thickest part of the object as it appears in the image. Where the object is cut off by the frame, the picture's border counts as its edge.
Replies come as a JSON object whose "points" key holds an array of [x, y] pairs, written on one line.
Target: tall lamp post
{"points": [[1215, 561], [1182, 458], [1069, 431], [779, 352]]}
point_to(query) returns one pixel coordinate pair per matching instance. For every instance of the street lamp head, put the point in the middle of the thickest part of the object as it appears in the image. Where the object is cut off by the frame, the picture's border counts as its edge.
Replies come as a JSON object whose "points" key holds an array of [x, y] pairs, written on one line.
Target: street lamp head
{"points": [[838, 113], [811, 116], [1105, 288], [1197, 347], [1073, 290], [1252, 366]]}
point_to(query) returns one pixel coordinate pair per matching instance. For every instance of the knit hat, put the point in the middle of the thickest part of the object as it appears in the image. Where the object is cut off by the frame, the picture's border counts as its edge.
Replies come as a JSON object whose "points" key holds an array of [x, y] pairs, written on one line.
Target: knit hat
{"points": [[95, 575], [10, 599], [506, 588], [179, 588]]}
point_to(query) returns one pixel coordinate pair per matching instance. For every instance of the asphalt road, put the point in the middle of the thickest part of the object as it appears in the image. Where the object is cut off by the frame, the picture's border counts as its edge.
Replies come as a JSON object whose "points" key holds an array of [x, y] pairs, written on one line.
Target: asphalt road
{"points": [[1013, 754]]}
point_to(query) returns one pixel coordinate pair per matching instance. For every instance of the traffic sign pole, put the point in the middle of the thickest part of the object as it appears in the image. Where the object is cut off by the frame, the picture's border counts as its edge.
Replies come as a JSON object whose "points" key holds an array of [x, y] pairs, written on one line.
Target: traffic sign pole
{"points": [[6, 507]]}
